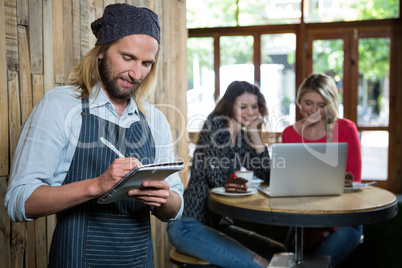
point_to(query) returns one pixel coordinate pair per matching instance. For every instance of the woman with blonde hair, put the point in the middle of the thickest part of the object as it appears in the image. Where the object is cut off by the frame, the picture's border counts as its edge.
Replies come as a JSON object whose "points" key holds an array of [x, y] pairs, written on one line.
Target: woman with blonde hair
{"points": [[317, 99]]}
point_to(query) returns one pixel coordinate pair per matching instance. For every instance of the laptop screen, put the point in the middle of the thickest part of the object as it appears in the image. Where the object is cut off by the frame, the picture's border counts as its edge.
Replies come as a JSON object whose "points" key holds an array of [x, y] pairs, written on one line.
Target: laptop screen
{"points": [[308, 169]]}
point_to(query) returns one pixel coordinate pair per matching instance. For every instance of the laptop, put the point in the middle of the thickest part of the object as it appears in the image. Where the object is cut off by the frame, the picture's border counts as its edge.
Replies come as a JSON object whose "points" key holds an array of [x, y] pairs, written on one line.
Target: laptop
{"points": [[307, 169]]}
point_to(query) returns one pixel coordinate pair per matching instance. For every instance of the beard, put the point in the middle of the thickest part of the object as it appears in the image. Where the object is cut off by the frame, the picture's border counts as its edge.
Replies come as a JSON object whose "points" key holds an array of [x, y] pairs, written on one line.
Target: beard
{"points": [[110, 83]]}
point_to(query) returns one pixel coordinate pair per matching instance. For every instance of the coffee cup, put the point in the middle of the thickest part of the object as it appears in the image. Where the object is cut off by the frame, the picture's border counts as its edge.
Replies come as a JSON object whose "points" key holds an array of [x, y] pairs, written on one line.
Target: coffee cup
{"points": [[246, 174]]}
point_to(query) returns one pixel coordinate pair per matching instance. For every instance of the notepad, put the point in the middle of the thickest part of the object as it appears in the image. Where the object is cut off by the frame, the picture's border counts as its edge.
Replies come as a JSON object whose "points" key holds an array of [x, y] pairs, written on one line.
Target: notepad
{"points": [[135, 177]]}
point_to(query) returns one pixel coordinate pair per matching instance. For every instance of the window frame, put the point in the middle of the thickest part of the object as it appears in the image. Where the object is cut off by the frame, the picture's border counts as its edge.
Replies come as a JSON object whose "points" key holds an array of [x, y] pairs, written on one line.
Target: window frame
{"points": [[350, 32]]}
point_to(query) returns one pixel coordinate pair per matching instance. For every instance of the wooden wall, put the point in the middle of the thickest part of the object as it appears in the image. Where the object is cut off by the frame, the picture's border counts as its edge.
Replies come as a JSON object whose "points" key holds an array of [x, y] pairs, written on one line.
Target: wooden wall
{"points": [[40, 42]]}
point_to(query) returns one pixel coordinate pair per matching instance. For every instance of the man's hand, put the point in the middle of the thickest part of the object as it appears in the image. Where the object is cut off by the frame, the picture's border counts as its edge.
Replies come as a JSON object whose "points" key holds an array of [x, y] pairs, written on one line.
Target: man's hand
{"points": [[158, 194], [115, 172], [153, 193]]}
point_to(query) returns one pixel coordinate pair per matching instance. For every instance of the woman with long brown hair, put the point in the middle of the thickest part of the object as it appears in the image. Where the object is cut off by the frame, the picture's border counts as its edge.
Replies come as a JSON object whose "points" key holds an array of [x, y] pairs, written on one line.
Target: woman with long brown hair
{"points": [[229, 139]]}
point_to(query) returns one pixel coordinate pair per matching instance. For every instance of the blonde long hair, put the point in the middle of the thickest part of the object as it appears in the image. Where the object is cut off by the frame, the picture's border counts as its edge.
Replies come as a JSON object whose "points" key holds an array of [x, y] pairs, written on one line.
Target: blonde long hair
{"points": [[326, 87], [86, 75]]}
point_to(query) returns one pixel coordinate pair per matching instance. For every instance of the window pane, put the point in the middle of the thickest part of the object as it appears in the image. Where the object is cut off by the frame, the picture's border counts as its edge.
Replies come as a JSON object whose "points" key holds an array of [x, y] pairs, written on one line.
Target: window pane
{"points": [[328, 59], [201, 86], [211, 13], [352, 10], [262, 12], [278, 52], [374, 65], [374, 146], [236, 60]]}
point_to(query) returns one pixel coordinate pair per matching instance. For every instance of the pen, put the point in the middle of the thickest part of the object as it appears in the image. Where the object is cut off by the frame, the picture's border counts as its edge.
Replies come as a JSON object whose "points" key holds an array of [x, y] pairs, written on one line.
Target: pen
{"points": [[111, 147]]}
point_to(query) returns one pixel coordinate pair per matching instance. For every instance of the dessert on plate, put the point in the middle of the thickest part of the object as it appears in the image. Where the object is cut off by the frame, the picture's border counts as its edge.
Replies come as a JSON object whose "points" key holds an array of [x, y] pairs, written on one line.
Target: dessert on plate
{"points": [[235, 184], [349, 179]]}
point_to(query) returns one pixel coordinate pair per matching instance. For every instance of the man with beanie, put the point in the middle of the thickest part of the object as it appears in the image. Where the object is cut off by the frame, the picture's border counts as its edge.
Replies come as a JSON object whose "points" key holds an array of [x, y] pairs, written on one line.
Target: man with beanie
{"points": [[61, 166]]}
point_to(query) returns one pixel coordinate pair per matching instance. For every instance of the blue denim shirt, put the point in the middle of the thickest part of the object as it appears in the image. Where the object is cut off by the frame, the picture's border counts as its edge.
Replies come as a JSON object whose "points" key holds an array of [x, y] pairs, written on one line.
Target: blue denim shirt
{"points": [[49, 137]]}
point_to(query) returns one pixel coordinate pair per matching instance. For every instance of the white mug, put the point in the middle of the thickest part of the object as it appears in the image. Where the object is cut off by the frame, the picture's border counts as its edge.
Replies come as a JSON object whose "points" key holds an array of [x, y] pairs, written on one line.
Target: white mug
{"points": [[246, 174]]}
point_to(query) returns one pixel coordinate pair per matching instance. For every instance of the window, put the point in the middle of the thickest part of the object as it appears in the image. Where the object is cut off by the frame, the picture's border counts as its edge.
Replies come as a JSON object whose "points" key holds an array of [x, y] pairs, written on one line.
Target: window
{"points": [[200, 73], [277, 43], [328, 57], [236, 60], [351, 10], [371, 90], [263, 12], [373, 105], [373, 102], [278, 54], [231, 13]]}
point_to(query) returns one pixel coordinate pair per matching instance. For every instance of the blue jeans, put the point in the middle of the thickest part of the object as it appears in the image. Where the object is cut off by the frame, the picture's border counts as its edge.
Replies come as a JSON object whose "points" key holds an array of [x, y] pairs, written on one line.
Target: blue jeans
{"points": [[194, 238], [338, 245]]}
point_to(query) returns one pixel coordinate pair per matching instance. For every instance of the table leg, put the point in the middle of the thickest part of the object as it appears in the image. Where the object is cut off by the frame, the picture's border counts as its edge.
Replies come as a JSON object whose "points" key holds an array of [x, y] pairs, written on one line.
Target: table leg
{"points": [[299, 245]]}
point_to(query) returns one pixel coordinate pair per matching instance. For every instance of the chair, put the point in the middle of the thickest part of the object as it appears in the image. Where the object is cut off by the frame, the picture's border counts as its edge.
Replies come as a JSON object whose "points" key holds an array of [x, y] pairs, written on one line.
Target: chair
{"points": [[271, 137], [184, 260]]}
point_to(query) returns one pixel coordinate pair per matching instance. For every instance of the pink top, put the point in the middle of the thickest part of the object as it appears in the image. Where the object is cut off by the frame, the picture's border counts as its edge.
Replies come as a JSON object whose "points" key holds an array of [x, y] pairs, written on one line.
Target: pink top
{"points": [[344, 131]]}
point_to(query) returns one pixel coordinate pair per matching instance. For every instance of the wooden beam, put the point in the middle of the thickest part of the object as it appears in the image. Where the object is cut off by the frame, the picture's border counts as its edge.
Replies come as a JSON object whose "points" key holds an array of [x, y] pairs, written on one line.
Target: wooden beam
{"points": [[48, 68], [36, 36], [4, 124], [5, 226], [24, 74], [22, 9], [58, 40], [11, 34]]}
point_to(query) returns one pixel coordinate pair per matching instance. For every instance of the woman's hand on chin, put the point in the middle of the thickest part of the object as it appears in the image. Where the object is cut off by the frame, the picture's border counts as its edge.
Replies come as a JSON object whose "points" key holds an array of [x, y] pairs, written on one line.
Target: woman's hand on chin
{"points": [[253, 124]]}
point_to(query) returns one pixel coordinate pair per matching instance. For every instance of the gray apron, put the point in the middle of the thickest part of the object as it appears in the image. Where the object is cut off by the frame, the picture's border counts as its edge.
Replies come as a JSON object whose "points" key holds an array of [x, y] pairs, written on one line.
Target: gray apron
{"points": [[111, 235]]}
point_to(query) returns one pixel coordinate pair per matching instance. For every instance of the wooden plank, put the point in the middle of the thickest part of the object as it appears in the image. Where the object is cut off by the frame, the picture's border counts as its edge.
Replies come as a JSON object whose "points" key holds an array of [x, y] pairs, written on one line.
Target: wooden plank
{"points": [[4, 225], [18, 241], [85, 30], [37, 88], [48, 79], [142, 3], [11, 34], [109, 2], [4, 142], [397, 157], [50, 225], [181, 80], [22, 9], [35, 36], [14, 110], [58, 40], [98, 9], [30, 255], [76, 32], [24, 74], [40, 242], [394, 182], [92, 15], [68, 40]]}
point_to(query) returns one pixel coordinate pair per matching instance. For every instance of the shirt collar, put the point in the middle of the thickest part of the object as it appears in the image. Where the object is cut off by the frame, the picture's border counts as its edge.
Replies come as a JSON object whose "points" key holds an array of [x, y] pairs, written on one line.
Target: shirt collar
{"points": [[99, 99]]}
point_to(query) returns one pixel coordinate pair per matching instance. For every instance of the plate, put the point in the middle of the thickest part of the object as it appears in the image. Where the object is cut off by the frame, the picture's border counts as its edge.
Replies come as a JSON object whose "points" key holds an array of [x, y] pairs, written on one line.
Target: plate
{"points": [[357, 186], [256, 182], [221, 191]]}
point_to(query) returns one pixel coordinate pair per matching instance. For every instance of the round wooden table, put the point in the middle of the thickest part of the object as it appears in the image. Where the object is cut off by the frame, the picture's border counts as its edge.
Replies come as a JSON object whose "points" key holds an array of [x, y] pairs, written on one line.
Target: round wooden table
{"points": [[369, 205]]}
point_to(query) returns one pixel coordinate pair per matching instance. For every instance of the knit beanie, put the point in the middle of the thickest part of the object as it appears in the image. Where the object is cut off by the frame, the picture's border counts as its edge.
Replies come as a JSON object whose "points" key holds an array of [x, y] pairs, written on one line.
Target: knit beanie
{"points": [[120, 20]]}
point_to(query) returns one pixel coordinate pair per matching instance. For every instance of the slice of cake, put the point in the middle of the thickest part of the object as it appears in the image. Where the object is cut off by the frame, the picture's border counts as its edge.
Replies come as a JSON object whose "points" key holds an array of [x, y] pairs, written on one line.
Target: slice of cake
{"points": [[349, 179], [235, 184]]}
